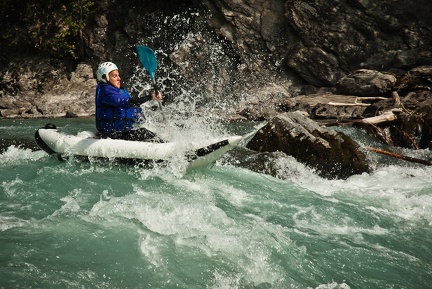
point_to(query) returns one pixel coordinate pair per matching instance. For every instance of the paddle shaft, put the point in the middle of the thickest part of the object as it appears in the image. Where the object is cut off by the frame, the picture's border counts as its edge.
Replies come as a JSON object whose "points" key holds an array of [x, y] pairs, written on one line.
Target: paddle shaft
{"points": [[148, 60], [156, 90]]}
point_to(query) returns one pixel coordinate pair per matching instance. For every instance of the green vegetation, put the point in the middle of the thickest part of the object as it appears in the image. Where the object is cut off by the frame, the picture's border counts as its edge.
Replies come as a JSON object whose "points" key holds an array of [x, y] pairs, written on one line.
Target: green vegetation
{"points": [[69, 41], [53, 27]]}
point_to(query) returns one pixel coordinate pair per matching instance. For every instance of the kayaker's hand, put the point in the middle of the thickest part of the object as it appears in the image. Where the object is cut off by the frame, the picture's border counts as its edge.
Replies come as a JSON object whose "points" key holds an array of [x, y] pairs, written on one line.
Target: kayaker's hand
{"points": [[157, 96]]}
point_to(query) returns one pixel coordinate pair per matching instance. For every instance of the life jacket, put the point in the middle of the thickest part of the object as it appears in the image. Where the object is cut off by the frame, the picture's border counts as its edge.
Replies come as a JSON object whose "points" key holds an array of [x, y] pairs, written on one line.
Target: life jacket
{"points": [[113, 112]]}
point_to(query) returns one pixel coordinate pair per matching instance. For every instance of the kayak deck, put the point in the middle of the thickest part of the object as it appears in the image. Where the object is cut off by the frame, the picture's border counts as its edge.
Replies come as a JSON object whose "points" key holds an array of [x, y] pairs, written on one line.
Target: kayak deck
{"points": [[87, 144]]}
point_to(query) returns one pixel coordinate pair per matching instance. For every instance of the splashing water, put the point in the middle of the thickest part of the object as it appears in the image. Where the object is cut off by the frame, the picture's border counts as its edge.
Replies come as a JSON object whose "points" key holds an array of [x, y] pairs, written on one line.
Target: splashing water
{"points": [[72, 224], [103, 225]]}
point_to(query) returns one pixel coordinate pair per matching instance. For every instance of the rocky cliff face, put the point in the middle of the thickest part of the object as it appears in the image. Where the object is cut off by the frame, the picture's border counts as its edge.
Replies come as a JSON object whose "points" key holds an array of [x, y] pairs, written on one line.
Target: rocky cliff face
{"points": [[215, 49], [324, 40]]}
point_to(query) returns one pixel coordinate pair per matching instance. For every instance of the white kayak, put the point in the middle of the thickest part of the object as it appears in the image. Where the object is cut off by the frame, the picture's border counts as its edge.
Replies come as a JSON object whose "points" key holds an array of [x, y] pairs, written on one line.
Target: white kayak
{"points": [[87, 144]]}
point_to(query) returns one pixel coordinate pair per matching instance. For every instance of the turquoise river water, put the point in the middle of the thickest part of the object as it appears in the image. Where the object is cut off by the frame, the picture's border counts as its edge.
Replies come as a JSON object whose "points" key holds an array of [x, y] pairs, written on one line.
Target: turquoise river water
{"points": [[77, 224]]}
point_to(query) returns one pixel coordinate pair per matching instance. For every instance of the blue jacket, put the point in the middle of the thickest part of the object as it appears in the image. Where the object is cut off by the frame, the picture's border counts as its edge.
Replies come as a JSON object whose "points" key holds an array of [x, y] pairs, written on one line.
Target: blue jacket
{"points": [[114, 114]]}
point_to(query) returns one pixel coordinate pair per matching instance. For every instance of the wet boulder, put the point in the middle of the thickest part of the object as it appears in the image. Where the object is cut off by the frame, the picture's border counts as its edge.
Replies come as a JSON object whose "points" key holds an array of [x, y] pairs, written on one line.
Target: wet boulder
{"points": [[418, 78], [366, 82], [332, 154], [269, 163]]}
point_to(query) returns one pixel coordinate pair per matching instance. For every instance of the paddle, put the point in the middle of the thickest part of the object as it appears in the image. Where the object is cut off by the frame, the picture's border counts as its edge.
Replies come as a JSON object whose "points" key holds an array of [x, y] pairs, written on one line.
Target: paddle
{"points": [[148, 60]]}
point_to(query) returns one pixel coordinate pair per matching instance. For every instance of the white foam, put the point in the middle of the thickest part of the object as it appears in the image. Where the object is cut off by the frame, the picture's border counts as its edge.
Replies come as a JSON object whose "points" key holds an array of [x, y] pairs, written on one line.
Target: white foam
{"points": [[71, 204], [9, 222], [333, 285], [395, 190], [191, 223], [10, 187], [16, 155]]}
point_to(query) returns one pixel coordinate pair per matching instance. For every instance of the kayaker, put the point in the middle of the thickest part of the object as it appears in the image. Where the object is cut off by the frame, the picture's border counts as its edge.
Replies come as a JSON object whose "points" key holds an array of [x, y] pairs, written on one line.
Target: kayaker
{"points": [[116, 111]]}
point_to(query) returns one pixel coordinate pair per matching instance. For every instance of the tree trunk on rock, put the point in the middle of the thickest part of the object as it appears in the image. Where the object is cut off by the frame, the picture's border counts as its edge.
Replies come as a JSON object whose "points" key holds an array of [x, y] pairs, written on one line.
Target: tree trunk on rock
{"points": [[333, 154]]}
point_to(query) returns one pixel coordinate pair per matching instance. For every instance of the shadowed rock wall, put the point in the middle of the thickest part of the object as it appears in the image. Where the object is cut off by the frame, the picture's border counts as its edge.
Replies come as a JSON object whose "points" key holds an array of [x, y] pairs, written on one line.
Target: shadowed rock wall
{"points": [[216, 49]]}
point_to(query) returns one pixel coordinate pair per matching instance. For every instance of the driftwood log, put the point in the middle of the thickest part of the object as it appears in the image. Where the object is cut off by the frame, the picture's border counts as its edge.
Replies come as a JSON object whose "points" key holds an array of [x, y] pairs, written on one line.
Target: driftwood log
{"points": [[386, 116], [358, 101], [372, 126], [402, 157]]}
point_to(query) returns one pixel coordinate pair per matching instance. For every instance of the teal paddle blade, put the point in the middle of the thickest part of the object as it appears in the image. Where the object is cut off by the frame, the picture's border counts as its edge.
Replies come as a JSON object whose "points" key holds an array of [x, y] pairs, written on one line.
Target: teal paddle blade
{"points": [[148, 59]]}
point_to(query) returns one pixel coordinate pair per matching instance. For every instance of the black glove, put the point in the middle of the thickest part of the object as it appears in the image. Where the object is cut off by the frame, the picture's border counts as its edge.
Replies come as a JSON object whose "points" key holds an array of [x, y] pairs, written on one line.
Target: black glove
{"points": [[136, 101]]}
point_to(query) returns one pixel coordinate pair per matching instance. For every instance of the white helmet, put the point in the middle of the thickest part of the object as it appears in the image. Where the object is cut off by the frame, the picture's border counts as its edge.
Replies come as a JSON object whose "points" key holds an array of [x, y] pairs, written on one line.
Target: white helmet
{"points": [[104, 69]]}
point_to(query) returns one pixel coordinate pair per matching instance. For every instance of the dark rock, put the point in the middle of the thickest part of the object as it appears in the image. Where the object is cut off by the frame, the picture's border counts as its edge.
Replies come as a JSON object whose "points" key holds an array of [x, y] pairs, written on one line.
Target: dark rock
{"points": [[260, 162], [406, 58], [323, 72], [266, 101], [365, 82], [276, 164], [418, 78], [358, 34], [308, 89], [424, 132], [331, 153], [71, 114], [216, 48]]}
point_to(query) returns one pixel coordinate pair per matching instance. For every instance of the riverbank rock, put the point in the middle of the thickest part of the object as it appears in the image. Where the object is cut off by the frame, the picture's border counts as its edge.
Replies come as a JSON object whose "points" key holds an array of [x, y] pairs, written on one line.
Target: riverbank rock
{"points": [[42, 89], [265, 102], [332, 154], [417, 78], [366, 82], [217, 50]]}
